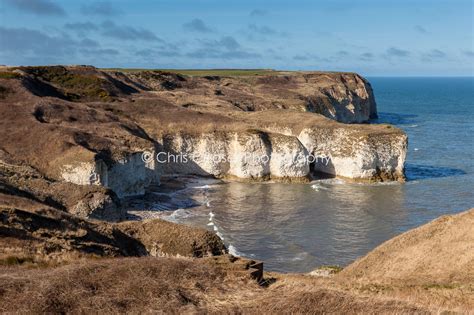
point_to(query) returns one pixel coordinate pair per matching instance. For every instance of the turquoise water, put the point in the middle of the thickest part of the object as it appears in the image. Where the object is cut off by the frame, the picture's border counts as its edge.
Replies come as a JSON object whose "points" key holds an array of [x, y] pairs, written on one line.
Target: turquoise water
{"points": [[297, 227]]}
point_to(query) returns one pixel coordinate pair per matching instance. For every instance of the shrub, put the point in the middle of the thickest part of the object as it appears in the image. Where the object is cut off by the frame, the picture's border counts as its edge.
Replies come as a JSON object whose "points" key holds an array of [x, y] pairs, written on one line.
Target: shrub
{"points": [[9, 75], [14, 260], [75, 86], [4, 91]]}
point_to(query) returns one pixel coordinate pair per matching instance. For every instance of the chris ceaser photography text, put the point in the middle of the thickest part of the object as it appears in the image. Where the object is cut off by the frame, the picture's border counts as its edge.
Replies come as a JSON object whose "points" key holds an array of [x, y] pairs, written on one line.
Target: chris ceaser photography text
{"points": [[252, 158]]}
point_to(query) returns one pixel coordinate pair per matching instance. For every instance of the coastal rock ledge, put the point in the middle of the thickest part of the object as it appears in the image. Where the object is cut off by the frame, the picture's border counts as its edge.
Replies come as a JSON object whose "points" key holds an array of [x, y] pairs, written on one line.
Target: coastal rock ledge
{"points": [[93, 127]]}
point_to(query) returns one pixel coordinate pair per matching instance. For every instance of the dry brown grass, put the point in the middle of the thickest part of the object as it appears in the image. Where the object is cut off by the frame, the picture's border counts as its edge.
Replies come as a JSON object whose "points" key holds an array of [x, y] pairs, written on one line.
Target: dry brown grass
{"points": [[220, 284], [119, 285], [173, 285], [437, 253], [309, 295]]}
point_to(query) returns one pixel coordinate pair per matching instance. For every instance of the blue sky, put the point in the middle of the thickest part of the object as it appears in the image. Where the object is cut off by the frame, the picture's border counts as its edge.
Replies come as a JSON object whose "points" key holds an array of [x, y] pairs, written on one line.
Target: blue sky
{"points": [[372, 37]]}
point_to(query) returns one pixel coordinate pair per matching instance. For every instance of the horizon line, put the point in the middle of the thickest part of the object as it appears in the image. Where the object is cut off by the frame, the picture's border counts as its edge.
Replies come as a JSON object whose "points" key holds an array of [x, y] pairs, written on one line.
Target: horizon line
{"points": [[258, 69]]}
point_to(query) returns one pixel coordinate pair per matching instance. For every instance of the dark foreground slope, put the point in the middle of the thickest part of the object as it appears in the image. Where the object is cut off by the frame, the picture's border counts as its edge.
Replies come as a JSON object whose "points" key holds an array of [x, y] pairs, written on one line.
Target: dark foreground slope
{"points": [[50, 235], [426, 284]]}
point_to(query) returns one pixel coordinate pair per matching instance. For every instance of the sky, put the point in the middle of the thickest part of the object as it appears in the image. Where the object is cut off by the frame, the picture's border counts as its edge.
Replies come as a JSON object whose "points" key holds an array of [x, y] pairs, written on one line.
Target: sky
{"points": [[371, 37]]}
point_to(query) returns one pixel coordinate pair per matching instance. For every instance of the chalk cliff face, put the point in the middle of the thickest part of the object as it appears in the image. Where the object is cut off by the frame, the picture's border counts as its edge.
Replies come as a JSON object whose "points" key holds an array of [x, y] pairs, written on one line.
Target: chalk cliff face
{"points": [[245, 155], [357, 156], [289, 147], [126, 176], [89, 127], [24, 187], [281, 157]]}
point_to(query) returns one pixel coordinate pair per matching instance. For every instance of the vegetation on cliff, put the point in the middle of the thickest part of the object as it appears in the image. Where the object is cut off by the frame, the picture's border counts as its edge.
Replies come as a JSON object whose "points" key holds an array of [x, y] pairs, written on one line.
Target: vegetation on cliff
{"points": [[224, 284]]}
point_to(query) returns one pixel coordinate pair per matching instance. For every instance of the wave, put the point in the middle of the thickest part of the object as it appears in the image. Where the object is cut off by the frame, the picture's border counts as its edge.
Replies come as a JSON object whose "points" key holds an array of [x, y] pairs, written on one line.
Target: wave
{"points": [[322, 184], [177, 215], [332, 181], [318, 187], [220, 235], [235, 252], [299, 257], [201, 187]]}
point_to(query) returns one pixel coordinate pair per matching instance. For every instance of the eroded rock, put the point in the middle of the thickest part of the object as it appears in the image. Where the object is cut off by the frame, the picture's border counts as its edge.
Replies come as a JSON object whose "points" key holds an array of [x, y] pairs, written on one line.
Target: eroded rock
{"points": [[50, 234]]}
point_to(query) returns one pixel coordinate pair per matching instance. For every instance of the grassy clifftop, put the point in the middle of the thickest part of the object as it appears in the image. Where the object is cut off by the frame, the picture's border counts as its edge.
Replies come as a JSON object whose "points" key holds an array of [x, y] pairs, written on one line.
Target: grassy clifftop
{"points": [[203, 72]]}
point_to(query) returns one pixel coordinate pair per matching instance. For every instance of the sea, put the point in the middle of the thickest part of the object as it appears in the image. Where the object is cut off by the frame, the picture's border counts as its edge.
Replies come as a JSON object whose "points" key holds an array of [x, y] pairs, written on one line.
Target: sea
{"points": [[299, 227]]}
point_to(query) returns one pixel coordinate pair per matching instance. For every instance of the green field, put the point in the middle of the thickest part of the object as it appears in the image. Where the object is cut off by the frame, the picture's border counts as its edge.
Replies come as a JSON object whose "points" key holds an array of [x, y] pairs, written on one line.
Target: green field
{"points": [[203, 72]]}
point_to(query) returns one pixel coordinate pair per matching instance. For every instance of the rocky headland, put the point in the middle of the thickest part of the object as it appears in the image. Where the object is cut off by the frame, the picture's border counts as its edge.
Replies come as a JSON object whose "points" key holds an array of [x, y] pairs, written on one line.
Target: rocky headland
{"points": [[91, 128]]}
